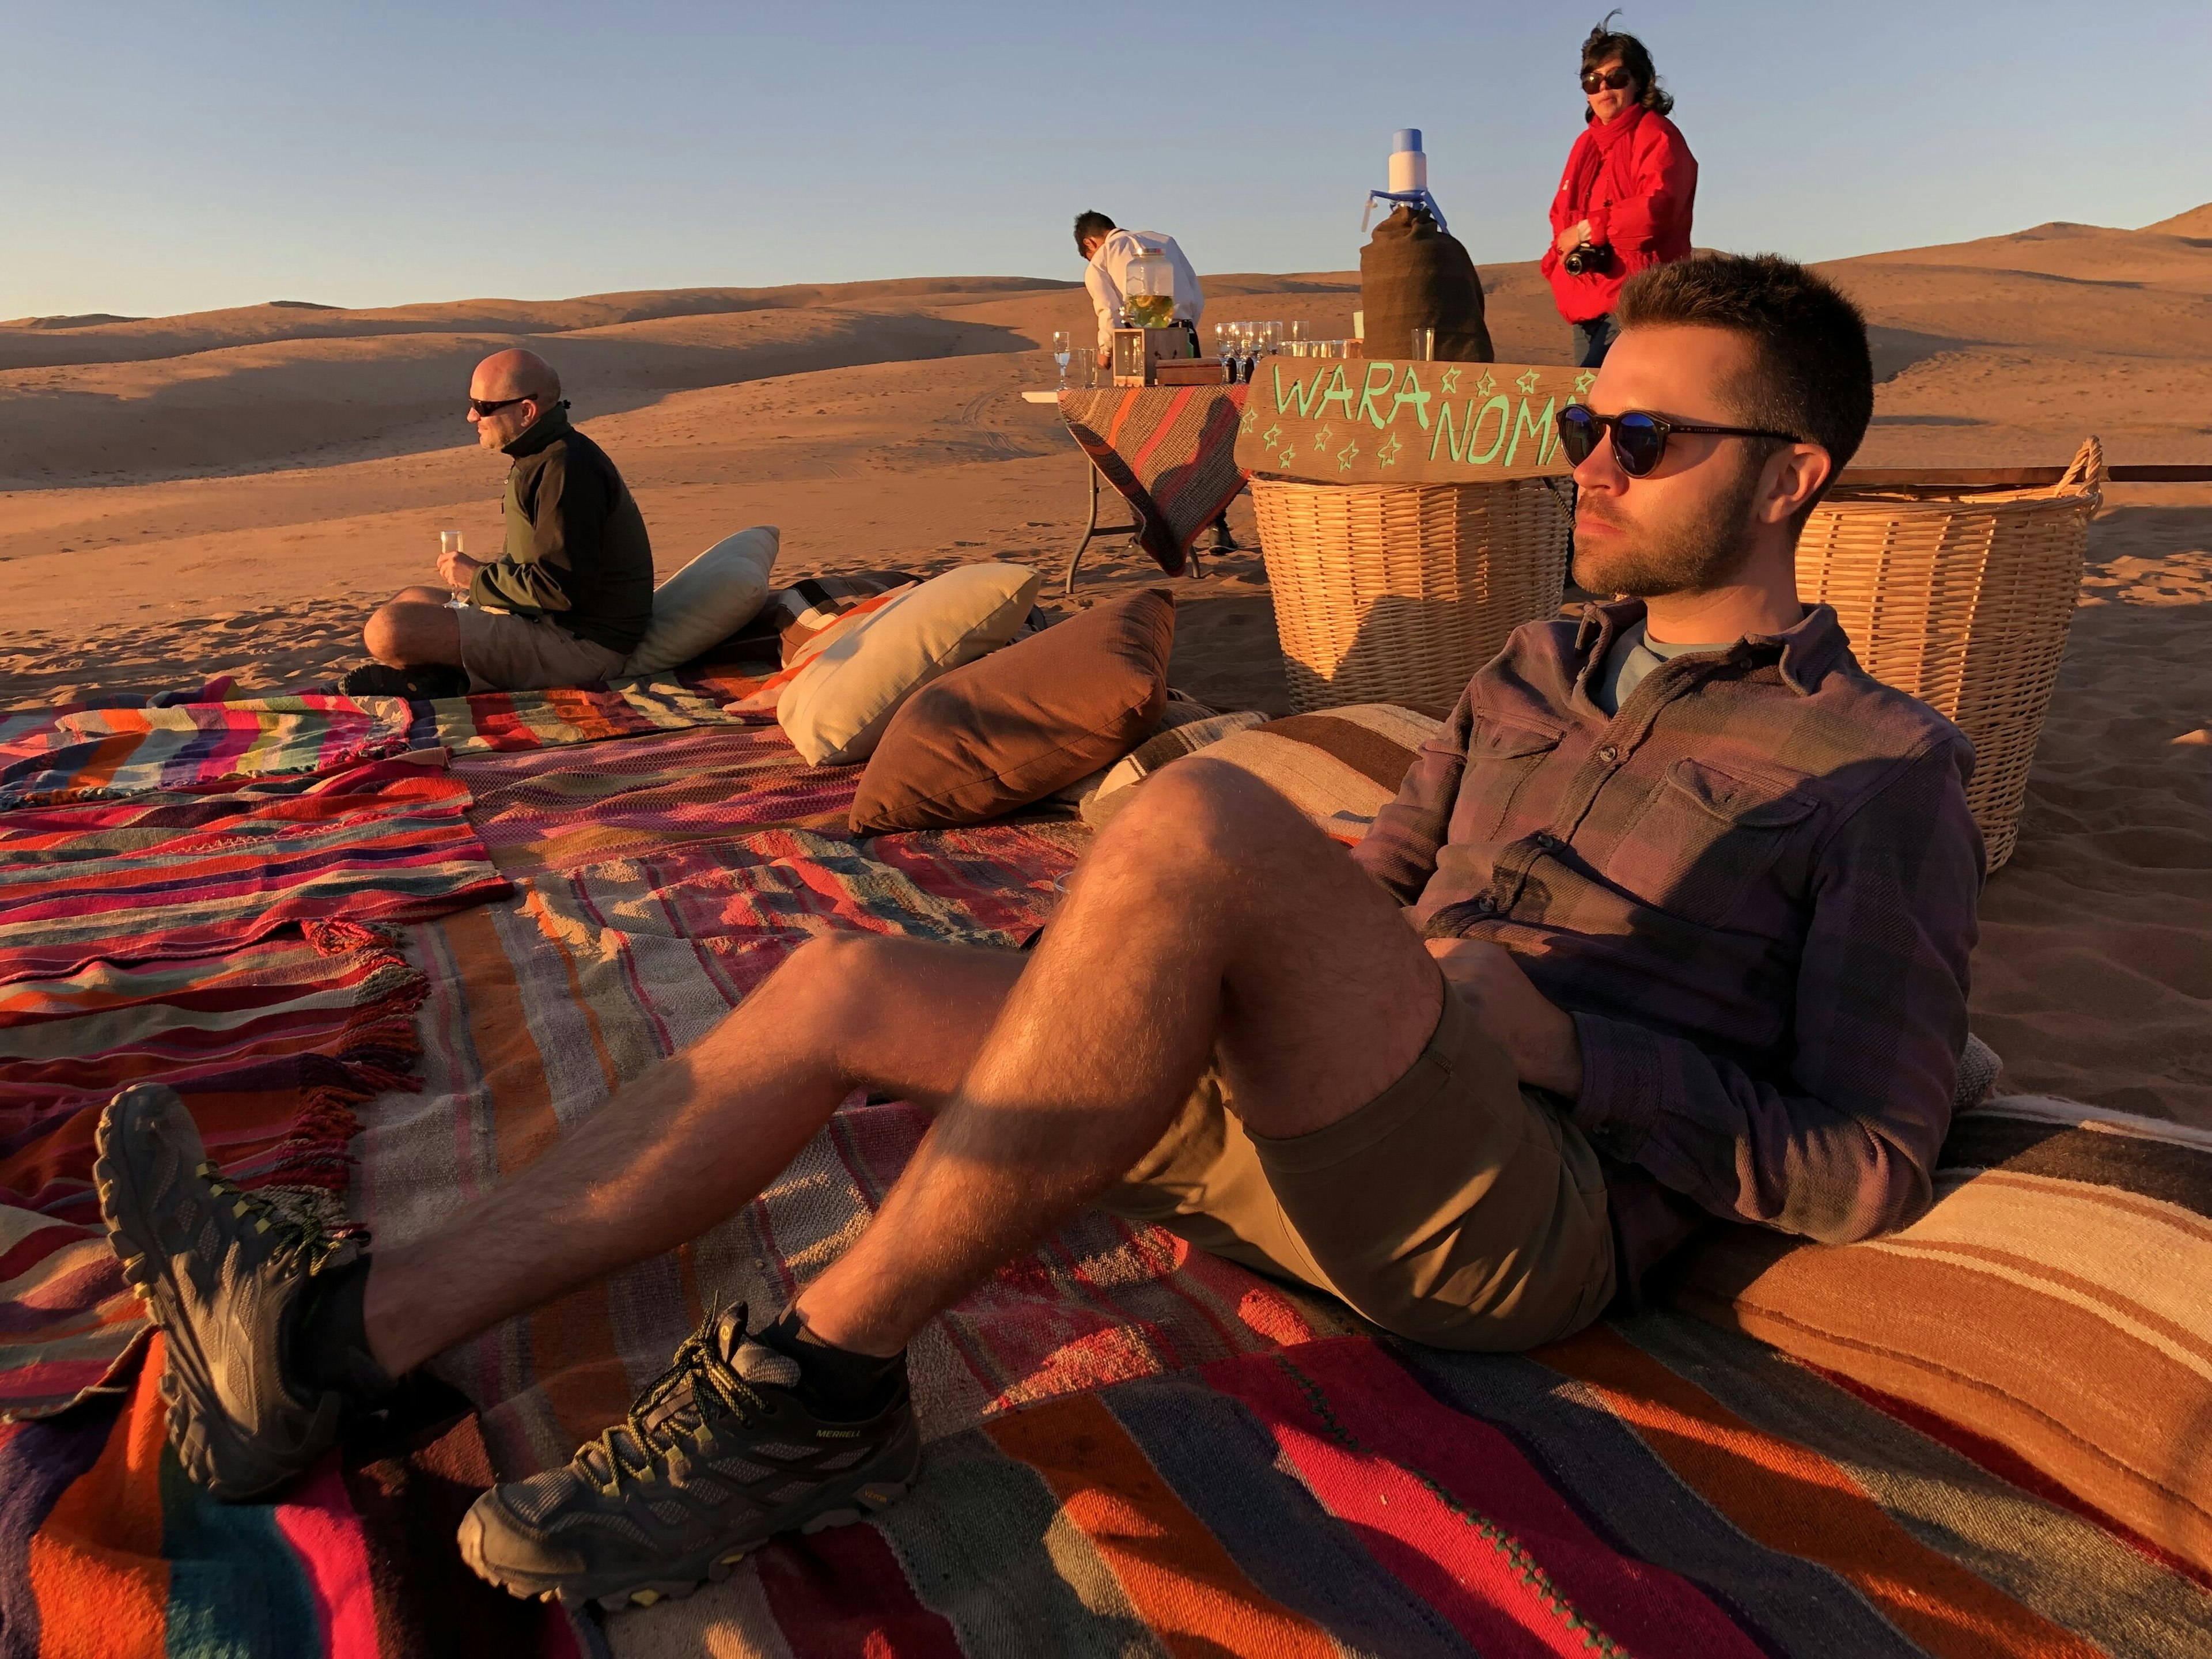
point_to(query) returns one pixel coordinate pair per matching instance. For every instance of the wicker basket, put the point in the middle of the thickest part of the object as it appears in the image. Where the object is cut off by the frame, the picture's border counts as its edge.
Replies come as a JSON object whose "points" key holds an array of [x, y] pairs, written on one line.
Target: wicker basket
{"points": [[1400, 593], [1964, 600]]}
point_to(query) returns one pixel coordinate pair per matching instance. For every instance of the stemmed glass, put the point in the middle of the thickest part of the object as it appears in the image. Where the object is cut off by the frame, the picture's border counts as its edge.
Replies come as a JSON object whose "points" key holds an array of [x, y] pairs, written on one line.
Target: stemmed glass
{"points": [[1225, 351], [1060, 355]]}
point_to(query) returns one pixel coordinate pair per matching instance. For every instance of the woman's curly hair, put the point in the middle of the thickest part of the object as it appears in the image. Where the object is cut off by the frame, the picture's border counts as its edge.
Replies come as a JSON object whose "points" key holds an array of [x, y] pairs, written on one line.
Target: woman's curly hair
{"points": [[1603, 44]]}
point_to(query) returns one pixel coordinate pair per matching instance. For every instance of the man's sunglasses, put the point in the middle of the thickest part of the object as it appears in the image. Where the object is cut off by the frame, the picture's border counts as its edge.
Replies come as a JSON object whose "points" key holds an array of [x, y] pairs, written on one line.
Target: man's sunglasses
{"points": [[493, 406], [1593, 80], [1639, 440]]}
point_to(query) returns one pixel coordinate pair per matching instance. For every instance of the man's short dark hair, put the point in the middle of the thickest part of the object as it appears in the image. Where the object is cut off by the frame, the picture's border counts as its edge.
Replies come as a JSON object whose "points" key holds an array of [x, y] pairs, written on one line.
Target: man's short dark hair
{"points": [[1091, 224], [1811, 375], [1604, 44]]}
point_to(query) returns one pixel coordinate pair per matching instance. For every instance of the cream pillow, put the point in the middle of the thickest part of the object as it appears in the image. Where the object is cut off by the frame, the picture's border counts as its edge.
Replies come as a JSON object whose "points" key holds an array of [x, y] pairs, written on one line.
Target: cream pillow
{"points": [[837, 706], [708, 601]]}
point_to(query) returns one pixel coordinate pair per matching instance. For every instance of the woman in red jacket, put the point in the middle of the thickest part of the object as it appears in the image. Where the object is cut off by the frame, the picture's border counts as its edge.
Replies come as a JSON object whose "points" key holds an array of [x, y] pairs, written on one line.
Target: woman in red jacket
{"points": [[1624, 201]]}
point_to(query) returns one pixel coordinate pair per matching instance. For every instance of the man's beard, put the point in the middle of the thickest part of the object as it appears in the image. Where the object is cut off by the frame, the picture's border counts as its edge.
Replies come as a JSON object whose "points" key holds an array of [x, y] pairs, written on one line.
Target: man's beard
{"points": [[1689, 555]]}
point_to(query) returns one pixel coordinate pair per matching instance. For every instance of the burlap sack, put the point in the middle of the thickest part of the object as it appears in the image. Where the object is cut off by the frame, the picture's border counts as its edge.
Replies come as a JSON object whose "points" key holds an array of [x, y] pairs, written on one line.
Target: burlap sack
{"points": [[1413, 275]]}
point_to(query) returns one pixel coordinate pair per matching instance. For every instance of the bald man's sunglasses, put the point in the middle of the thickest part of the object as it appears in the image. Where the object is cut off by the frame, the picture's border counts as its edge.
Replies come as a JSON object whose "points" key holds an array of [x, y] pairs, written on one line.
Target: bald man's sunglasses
{"points": [[1614, 81], [1639, 440], [493, 406]]}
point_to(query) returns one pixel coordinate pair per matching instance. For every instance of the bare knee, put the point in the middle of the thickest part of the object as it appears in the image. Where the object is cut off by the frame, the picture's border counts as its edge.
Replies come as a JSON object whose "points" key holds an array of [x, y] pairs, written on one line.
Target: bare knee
{"points": [[1200, 811], [380, 637]]}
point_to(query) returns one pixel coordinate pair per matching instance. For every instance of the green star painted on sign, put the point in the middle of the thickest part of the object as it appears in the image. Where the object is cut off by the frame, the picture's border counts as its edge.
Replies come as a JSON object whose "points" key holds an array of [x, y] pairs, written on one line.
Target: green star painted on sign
{"points": [[1584, 381], [1321, 435], [1285, 459], [1485, 387], [1528, 384], [1251, 421], [1389, 452], [1451, 381], [1346, 456], [1272, 436]]}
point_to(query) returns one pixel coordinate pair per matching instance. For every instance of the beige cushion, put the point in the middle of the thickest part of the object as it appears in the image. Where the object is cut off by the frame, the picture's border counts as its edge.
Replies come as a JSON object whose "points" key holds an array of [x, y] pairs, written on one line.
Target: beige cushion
{"points": [[1339, 767], [837, 706], [708, 601]]}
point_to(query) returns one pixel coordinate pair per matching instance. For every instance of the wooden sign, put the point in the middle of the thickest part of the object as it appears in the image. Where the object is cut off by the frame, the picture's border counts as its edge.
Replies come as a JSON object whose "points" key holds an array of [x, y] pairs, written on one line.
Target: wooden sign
{"points": [[1370, 421]]}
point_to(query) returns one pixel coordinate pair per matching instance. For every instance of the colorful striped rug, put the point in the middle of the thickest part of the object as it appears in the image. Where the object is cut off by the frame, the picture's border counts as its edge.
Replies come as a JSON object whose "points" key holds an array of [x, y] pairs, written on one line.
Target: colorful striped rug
{"points": [[1653, 1487], [500, 722], [87, 754], [540, 1006], [274, 1044], [79, 752], [116, 882], [559, 809], [106, 1550], [1170, 451]]}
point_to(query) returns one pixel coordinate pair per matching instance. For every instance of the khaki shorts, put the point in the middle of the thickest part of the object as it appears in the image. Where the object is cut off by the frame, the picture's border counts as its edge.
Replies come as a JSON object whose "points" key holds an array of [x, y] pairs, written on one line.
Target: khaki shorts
{"points": [[1454, 1208], [503, 651]]}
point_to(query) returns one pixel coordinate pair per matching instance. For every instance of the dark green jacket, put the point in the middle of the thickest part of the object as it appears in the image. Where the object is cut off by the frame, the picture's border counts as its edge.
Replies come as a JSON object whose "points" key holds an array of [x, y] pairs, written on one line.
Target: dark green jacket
{"points": [[576, 547]]}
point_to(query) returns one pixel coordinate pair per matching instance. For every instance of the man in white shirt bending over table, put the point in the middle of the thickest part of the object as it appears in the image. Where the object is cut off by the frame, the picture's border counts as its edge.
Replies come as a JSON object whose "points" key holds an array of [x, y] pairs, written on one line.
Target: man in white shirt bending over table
{"points": [[1110, 250]]}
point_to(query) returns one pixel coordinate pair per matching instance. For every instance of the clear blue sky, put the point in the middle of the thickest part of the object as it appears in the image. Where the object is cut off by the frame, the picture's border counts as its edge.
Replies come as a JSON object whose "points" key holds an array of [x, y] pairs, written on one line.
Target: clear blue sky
{"points": [[162, 157]]}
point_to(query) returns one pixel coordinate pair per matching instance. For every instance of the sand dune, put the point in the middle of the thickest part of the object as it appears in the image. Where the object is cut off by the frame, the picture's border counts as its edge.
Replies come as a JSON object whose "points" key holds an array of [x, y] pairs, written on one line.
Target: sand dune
{"points": [[228, 493]]}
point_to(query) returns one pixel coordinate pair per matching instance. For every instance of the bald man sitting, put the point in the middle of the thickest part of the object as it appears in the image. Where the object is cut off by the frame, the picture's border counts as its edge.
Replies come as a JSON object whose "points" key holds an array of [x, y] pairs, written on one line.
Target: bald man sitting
{"points": [[567, 601]]}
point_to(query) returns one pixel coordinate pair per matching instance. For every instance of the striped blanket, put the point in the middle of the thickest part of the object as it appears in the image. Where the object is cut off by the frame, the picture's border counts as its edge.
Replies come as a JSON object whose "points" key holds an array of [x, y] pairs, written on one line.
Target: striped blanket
{"points": [[501, 722], [561, 809], [105, 1549], [79, 752], [1170, 451], [540, 1006], [275, 1045], [87, 754], [159, 877]]}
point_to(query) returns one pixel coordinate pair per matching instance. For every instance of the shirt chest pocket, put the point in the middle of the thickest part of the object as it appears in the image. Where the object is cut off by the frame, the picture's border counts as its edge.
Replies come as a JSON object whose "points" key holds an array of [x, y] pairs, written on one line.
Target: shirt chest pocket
{"points": [[1712, 835], [1503, 756]]}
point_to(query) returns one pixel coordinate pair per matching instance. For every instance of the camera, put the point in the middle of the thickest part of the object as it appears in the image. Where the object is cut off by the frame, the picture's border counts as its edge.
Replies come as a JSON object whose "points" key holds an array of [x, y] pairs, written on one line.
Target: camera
{"points": [[1586, 259]]}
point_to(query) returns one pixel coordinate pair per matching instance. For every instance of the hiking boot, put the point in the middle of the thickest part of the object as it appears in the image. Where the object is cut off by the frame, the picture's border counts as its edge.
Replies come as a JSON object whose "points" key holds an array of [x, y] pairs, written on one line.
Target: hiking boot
{"points": [[726, 1449], [224, 1274], [426, 683]]}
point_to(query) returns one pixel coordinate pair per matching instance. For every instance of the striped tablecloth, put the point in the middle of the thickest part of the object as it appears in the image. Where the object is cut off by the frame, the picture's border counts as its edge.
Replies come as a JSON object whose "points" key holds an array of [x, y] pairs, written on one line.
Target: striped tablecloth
{"points": [[1170, 451]]}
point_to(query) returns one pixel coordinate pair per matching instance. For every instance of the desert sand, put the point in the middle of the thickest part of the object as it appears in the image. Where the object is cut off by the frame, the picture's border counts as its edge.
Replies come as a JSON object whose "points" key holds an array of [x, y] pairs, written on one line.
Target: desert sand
{"points": [[228, 493]]}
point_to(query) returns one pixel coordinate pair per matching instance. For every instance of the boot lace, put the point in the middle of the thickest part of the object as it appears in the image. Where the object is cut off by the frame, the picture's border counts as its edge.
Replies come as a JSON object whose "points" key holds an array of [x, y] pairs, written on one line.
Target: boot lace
{"points": [[676, 1403], [292, 1237]]}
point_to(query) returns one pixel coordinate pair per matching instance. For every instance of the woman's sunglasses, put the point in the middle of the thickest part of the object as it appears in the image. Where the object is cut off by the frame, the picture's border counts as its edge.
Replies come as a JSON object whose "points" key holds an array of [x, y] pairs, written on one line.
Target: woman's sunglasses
{"points": [[1618, 79], [1639, 440]]}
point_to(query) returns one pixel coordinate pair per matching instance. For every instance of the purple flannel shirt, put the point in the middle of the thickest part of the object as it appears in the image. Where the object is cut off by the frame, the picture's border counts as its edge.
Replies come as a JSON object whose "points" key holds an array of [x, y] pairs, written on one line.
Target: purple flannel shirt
{"points": [[1754, 887]]}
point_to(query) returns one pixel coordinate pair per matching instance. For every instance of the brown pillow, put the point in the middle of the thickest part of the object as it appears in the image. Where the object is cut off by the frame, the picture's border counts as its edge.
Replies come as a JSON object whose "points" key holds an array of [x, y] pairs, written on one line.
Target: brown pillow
{"points": [[1015, 726]]}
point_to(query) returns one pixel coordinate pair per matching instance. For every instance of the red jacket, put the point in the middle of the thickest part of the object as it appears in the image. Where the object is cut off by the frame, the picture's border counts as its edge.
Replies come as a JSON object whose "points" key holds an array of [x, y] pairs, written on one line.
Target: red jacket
{"points": [[1634, 179]]}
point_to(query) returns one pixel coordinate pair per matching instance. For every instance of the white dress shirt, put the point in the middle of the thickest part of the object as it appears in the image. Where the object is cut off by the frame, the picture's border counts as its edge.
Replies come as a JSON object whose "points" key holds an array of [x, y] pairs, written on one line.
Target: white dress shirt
{"points": [[1105, 276]]}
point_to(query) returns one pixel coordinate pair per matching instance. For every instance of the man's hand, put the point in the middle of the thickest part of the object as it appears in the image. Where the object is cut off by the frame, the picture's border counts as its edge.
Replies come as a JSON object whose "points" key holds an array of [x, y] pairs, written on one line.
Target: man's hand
{"points": [[458, 569], [1537, 1033], [1572, 238]]}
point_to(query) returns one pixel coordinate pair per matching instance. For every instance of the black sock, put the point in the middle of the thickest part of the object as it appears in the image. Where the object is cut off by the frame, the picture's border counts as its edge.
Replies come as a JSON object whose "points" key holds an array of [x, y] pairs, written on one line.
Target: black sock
{"points": [[838, 1375], [331, 1342]]}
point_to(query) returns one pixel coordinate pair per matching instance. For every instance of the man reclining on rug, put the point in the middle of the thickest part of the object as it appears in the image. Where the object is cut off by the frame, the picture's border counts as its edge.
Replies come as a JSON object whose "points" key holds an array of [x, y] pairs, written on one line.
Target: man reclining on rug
{"points": [[1692, 901], [569, 599]]}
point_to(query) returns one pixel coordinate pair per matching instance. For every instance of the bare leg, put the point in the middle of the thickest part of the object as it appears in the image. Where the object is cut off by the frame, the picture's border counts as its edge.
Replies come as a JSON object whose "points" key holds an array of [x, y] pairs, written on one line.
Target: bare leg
{"points": [[1211, 917], [413, 633], [697, 1137]]}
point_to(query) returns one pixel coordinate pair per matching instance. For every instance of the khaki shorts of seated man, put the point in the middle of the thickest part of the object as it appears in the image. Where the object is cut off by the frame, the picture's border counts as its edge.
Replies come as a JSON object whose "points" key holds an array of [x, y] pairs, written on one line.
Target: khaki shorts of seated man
{"points": [[568, 599], [1669, 923]]}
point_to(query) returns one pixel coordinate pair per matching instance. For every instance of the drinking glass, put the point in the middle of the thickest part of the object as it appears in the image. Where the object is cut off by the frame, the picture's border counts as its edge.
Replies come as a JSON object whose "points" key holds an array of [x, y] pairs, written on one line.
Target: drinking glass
{"points": [[1298, 335], [1059, 355], [1274, 338], [1423, 345], [449, 541]]}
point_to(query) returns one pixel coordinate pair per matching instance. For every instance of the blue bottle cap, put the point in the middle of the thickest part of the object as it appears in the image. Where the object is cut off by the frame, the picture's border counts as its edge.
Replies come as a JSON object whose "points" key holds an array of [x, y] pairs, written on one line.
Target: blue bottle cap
{"points": [[1406, 138]]}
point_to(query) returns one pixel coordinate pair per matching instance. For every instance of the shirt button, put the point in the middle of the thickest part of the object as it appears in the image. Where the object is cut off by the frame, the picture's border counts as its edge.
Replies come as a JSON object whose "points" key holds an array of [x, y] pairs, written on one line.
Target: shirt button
{"points": [[1609, 754], [1546, 839], [1483, 906]]}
